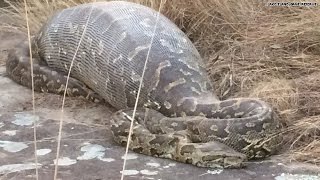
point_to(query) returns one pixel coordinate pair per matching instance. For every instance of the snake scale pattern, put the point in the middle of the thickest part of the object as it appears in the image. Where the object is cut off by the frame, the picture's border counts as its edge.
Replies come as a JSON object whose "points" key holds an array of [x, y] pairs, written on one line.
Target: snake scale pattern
{"points": [[178, 115]]}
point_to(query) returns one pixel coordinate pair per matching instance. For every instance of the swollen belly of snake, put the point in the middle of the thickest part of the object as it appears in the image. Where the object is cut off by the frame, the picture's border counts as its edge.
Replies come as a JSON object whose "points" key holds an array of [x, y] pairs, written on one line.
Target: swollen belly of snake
{"points": [[178, 115]]}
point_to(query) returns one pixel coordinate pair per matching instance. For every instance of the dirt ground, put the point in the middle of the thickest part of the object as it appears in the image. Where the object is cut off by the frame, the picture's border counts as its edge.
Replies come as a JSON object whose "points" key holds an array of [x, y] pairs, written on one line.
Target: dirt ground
{"points": [[88, 151]]}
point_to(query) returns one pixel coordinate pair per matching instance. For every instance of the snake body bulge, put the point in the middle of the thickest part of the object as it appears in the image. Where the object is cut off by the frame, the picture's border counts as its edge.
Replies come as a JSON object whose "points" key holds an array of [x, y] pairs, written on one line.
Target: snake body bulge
{"points": [[107, 44]]}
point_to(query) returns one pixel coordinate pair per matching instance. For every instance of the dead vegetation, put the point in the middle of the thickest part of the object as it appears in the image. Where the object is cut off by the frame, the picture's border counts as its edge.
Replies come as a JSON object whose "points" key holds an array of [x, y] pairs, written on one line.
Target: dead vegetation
{"points": [[264, 51]]}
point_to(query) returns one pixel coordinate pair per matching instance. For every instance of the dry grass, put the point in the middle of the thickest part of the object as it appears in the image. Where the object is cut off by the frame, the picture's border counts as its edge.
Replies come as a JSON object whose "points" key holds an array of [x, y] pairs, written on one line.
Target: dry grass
{"points": [[267, 52]]}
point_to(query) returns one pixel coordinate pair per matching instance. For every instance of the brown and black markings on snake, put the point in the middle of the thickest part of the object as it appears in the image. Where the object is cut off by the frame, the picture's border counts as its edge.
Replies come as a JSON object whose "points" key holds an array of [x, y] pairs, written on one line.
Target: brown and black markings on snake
{"points": [[179, 117]]}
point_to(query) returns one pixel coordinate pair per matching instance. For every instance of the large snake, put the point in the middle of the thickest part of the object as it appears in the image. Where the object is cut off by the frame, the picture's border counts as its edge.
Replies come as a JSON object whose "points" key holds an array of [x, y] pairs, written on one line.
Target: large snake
{"points": [[178, 116]]}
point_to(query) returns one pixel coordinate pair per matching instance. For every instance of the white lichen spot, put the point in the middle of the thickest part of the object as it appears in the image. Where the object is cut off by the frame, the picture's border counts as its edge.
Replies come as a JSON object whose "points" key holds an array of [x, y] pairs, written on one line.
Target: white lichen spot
{"points": [[24, 119], [42, 152], [216, 171], [130, 156], [92, 151], [151, 178], [153, 164], [1, 123], [169, 165], [11, 168], [149, 173], [10, 133], [130, 172], [107, 159], [65, 161], [213, 172], [11, 146], [286, 176]]}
